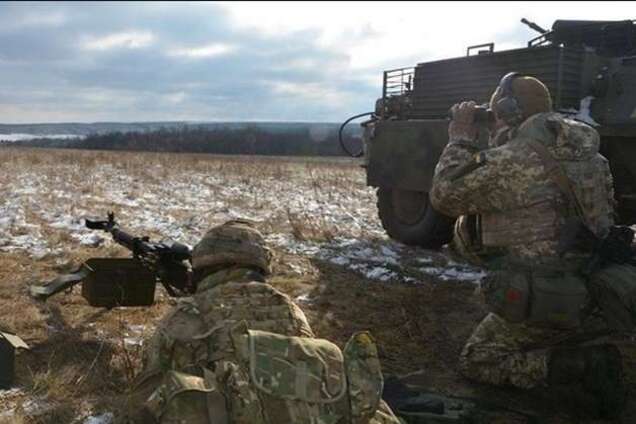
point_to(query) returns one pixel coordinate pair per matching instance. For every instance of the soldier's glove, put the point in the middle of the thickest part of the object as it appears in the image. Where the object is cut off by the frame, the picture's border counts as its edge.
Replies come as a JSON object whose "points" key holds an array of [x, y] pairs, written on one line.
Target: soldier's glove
{"points": [[462, 126]]}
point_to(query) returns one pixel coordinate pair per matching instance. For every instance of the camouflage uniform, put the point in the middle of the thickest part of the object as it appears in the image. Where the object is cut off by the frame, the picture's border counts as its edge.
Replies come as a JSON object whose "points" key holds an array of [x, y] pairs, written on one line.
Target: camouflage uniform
{"points": [[239, 351], [522, 214]]}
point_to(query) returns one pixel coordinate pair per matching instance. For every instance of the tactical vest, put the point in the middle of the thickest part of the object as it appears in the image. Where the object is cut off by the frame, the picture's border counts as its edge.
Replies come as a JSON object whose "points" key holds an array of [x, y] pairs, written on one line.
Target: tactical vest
{"points": [[572, 147], [576, 186], [255, 360], [521, 226]]}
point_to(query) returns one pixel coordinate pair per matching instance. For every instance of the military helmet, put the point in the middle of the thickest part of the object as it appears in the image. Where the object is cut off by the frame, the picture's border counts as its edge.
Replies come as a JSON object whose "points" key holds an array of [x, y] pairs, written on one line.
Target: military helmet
{"points": [[236, 242], [519, 97]]}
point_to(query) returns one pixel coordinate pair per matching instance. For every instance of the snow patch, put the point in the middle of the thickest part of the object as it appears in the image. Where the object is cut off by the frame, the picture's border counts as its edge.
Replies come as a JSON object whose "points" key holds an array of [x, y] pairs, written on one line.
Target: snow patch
{"points": [[133, 341], [303, 298], [30, 407], [340, 260], [91, 239], [105, 418], [36, 201], [379, 273], [139, 329], [380, 260], [425, 261], [10, 393], [455, 273], [66, 222], [36, 406], [288, 243], [24, 137], [296, 269], [135, 335]]}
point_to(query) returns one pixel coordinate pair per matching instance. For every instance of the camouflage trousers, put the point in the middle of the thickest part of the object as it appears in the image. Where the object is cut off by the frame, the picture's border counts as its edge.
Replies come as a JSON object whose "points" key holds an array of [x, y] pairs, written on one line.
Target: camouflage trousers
{"points": [[506, 354]]}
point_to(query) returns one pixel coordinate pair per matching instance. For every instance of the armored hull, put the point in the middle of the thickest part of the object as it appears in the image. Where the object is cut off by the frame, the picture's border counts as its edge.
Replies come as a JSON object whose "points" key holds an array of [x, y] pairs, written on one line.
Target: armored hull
{"points": [[590, 69]]}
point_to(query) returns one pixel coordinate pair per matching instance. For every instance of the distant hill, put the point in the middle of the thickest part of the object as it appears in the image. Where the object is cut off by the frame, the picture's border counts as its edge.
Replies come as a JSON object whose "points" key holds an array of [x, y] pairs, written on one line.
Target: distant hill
{"points": [[254, 138], [84, 129]]}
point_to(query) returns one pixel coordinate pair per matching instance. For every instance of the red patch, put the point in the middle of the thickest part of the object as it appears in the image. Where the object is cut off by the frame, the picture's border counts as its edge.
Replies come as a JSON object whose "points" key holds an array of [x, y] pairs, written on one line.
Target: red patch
{"points": [[513, 295]]}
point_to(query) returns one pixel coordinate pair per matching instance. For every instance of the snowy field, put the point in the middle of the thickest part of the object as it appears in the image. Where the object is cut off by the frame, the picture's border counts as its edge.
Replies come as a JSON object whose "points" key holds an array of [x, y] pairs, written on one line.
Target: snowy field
{"points": [[309, 210], [24, 137], [331, 256]]}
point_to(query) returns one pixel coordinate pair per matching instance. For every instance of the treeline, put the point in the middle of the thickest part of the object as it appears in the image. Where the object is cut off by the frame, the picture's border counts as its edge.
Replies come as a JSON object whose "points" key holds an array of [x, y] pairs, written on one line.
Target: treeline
{"points": [[294, 139]]}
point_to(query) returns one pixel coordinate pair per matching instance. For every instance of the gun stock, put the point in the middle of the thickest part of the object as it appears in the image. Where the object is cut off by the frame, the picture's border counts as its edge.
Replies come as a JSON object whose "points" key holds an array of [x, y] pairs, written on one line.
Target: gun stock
{"points": [[61, 283]]}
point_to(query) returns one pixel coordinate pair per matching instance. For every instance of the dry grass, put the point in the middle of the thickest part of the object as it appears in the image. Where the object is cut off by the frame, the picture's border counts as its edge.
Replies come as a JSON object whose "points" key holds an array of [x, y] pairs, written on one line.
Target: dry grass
{"points": [[80, 362], [309, 228]]}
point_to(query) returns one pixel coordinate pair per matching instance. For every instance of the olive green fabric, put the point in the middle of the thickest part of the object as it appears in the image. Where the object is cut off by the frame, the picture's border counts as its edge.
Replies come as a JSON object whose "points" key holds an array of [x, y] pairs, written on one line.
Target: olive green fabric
{"points": [[293, 379], [364, 376], [614, 289], [249, 343], [235, 243], [519, 215], [523, 212], [507, 294], [587, 381], [502, 353], [549, 293], [558, 300], [180, 395], [531, 94], [296, 368], [236, 275]]}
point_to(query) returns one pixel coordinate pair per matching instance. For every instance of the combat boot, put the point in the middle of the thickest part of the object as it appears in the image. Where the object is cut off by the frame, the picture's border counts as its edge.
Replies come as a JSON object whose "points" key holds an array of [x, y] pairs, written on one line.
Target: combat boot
{"points": [[588, 381]]}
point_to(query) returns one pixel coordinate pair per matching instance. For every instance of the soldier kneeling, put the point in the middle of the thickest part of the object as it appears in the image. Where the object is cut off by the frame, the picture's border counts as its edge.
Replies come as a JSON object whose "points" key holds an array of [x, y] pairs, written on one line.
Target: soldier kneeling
{"points": [[540, 182], [239, 351]]}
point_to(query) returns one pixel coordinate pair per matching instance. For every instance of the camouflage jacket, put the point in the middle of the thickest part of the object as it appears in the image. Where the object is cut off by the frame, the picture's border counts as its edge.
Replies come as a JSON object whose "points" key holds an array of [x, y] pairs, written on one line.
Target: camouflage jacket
{"points": [[241, 352], [522, 210]]}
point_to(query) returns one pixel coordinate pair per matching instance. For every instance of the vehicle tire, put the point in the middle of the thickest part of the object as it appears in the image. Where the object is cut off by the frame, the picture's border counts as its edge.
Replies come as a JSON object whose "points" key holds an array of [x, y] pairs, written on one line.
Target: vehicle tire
{"points": [[408, 217]]}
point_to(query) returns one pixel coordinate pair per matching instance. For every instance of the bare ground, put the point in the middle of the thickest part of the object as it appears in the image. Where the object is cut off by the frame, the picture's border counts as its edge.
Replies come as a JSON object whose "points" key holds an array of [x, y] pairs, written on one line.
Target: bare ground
{"points": [[82, 359]]}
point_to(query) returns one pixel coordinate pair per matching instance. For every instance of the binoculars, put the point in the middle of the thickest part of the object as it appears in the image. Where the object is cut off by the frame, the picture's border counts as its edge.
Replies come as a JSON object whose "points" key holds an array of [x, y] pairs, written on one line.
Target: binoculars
{"points": [[483, 115]]}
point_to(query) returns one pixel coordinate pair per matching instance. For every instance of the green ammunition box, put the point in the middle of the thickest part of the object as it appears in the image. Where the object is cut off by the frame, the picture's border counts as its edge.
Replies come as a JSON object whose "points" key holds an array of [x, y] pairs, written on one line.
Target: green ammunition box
{"points": [[115, 282]]}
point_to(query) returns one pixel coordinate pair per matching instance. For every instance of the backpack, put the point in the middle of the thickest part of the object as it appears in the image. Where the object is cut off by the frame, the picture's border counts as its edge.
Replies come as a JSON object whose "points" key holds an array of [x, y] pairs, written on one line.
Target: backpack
{"points": [[273, 378]]}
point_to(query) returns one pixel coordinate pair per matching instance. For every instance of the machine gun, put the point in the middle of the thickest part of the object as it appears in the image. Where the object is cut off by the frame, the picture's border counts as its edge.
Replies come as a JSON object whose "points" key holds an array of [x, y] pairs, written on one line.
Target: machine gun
{"points": [[608, 38], [110, 282], [534, 26], [588, 67]]}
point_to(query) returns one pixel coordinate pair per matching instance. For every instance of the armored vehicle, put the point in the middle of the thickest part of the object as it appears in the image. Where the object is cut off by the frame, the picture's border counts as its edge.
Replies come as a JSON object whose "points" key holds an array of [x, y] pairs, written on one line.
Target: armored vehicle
{"points": [[590, 69]]}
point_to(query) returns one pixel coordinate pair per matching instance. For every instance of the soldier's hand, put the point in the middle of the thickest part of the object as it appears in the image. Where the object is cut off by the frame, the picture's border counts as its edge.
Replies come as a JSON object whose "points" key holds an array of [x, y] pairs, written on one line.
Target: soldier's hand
{"points": [[462, 126]]}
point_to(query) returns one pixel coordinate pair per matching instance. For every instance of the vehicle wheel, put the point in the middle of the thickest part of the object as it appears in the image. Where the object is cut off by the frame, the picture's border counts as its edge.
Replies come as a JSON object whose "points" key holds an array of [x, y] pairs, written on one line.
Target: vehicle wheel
{"points": [[408, 217]]}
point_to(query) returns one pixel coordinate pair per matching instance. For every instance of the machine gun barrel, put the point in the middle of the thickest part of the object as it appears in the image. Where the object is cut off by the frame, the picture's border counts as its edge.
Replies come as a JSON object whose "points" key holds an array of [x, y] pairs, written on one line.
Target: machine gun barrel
{"points": [[130, 242], [165, 258], [534, 26], [140, 246], [166, 262]]}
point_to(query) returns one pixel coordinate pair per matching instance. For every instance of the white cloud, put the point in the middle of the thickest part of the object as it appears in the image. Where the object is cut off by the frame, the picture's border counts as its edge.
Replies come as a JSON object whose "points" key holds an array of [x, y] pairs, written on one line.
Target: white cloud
{"points": [[374, 34], [177, 97], [300, 64], [42, 20], [310, 91], [129, 40], [322, 61], [210, 50]]}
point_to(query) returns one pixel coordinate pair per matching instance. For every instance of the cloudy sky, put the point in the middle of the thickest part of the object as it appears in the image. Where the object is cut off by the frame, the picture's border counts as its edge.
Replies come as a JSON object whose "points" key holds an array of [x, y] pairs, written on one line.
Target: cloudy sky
{"points": [[88, 62]]}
